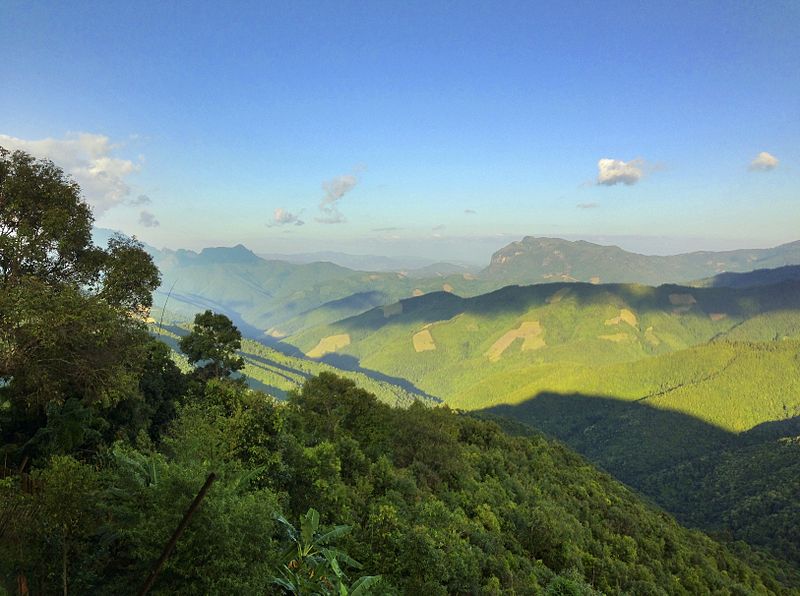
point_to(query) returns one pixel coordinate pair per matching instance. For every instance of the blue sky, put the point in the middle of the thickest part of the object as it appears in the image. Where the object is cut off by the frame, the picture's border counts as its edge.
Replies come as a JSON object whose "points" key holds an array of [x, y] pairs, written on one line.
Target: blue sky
{"points": [[444, 129]]}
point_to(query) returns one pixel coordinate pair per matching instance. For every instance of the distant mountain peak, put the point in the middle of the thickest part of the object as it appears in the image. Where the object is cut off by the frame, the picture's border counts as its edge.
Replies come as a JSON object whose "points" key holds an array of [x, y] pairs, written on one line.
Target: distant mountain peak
{"points": [[229, 254]]}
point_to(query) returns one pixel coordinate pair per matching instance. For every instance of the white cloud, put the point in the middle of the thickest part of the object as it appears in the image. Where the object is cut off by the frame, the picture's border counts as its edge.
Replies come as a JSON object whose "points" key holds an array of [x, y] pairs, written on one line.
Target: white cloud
{"points": [[141, 200], [148, 220], [89, 159], [335, 189], [763, 162], [587, 205], [470, 212], [282, 217], [616, 171]]}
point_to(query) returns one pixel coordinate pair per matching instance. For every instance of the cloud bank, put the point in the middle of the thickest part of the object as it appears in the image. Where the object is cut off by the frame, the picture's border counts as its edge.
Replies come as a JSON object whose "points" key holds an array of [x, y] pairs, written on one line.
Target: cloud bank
{"points": [[763, 162], [335, 189], [89, 159], [616, 171]]}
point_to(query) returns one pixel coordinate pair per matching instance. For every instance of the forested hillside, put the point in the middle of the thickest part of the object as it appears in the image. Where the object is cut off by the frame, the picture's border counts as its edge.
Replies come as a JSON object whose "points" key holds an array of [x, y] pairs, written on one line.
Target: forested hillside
{"points": [[122, 474], [662, 387], [508, 345], [280, 298], [438, 503], [277, 373]]}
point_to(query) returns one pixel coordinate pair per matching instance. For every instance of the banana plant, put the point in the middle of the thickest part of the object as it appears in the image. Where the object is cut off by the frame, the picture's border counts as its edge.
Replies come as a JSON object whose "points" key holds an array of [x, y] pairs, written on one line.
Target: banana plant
{"points": [[314, 568]]}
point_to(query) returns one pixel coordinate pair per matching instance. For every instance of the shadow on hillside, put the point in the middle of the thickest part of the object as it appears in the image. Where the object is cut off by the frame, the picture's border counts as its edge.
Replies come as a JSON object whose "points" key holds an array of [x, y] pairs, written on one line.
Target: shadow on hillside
{"points": [[697, 471], [274, 367], [758, 277], [725, 303], [632, 439], [629, 439], [350, 363], [365, 300]]}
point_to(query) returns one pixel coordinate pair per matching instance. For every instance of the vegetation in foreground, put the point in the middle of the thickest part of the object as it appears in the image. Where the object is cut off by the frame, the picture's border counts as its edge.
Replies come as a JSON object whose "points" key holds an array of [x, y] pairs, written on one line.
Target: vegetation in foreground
{"points": [[438, 503]]}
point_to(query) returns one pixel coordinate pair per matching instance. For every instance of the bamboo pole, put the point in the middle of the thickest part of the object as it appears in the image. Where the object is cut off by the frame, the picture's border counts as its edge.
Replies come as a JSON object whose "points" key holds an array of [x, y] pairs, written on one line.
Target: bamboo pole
{"points": [[176, 534]]}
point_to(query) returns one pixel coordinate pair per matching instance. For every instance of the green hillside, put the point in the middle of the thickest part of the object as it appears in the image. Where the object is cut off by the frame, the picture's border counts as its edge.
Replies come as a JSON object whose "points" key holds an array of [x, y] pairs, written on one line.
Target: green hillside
{"points": [[678, 446], [276, 373], [505, 346], [277, 297], [669, 389]]}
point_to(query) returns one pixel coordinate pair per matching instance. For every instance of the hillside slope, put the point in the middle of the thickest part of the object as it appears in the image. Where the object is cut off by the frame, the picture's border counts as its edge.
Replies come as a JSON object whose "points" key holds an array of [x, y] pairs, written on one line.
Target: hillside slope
{"points": [[510, 344], [282, 298], [277, 373]]}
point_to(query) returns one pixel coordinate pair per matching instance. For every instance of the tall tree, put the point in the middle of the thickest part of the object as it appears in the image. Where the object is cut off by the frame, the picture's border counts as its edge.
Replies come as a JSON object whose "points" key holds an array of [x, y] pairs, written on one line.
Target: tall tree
{"points": [[67, 324], [211, 346], [45, 226]]}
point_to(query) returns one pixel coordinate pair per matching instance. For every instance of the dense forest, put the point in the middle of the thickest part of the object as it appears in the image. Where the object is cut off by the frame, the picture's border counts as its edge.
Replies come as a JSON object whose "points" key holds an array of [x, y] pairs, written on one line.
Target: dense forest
{"points": [[107, 444]]}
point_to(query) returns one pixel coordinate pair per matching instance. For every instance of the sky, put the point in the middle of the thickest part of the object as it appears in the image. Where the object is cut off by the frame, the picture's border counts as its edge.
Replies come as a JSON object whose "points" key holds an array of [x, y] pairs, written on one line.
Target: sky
{"points": [[438, 129]]}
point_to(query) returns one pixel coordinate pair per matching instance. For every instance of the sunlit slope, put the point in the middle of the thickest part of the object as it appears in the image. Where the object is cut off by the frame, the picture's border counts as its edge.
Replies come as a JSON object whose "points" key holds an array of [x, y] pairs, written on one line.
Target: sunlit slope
{"points": [[505, 346], [276, 373], [732, 385]]}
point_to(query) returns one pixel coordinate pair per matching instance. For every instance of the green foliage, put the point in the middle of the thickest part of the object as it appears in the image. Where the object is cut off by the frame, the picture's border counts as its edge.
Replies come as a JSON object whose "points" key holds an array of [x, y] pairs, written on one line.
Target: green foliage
{"points": [[45, 226], [50, 533], [72, 342], [746, 491], [315, 567], [211, 346], [436, 502], [62, 343], [45, 234], [128, 275]]}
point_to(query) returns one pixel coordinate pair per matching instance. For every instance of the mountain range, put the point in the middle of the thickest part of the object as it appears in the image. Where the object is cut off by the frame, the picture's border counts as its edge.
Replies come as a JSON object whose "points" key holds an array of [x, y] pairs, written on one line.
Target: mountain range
{"points": [[276, 298], [536, 259]]}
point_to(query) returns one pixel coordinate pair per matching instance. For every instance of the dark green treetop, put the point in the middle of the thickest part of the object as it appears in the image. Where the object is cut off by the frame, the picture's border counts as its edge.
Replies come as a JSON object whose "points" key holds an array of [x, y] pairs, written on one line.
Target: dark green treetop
{"points": [[67, 324], [212, 345]]}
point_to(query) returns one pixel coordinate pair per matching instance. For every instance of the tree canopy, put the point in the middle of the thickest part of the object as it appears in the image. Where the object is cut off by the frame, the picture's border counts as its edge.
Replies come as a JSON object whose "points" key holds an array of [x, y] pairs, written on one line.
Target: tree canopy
{"points": [[211, 346], [70, 312]]}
